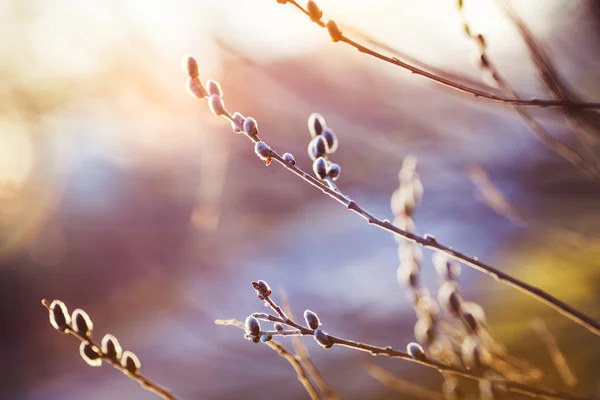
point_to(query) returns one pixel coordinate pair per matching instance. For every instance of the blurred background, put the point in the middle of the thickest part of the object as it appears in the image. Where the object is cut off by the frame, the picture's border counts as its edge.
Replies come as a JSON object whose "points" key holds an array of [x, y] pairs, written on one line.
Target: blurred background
{"points": [[123, 196]]}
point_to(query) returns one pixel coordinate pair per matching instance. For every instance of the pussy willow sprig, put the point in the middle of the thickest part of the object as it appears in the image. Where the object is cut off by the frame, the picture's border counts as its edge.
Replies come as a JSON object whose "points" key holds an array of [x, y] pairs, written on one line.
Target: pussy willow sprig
{"points": [[249, 126], [314, 328], [492, 76], [81, 326], [315, 14]]}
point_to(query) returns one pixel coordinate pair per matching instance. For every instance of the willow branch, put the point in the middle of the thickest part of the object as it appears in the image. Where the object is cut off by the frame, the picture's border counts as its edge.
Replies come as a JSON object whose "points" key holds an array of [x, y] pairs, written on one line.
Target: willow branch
{"points": [[452, 84], [388, 351], [297, 365], [562, 149], [494, 199], [144, 382], [401, 385], [429, 241], [303, 356], [558, 358]]}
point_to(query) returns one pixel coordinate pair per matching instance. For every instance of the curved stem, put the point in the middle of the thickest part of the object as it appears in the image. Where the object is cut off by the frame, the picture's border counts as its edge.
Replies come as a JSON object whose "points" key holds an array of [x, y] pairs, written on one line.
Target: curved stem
{"points": [[566, 103], [144, 382]]}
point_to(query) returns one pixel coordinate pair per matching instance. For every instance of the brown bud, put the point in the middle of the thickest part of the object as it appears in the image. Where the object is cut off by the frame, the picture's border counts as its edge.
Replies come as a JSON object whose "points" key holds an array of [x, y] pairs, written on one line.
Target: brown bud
{"points": [[190, 66], [90, 355], [82, 323], [313, 11], [111, 347], [334, 31], [130, 362], [59, 316]]}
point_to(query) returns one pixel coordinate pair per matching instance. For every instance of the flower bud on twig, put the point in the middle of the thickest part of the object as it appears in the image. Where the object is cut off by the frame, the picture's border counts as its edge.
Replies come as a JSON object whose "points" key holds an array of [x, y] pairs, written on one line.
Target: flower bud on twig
{"points": [[474, 354], [213, 87], [215, 102], [322, 338], [333, 171], [278, 326], [331, 140], [262, 288], [289, 158], [317, 147], [59, 316], [130, 362], [252, 326], [447, 269], [449, 298], [195, 89], [90, 355], [111, 347], [82, 323], [238, 122], [320, 168], [334, 31], [263, 151], [251, 127], [190, 66], [316, 124], [313, 11], [415, 351], [265, 338], [312, 320], [424, 332]]}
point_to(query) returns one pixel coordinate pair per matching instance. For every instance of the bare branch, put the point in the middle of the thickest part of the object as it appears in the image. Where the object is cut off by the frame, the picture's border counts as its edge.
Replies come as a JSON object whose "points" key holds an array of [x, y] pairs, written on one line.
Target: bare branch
{"points": [[454, 85], [558, 358], [144, 382]]}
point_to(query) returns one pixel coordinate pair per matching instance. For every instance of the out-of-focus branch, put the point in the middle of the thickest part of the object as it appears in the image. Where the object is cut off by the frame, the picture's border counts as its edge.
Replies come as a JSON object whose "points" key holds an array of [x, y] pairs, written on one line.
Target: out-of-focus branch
{"points": [[264, 151], [570, 154], [338, 36], [400, 385], [558, 358], [295, 362], [577, 119], [303, 356], [494, 199]]}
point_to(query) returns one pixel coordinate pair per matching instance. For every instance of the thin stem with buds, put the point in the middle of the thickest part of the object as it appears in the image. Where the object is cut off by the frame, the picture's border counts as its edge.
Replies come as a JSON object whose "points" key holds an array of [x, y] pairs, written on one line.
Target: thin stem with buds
{"points": [[566, 103], [429, 241], [393, 353], [144, 382]]}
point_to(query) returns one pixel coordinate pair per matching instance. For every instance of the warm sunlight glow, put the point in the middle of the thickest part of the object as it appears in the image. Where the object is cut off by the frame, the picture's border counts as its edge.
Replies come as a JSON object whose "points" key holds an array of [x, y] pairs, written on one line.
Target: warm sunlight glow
{"points": [[16, 155]]}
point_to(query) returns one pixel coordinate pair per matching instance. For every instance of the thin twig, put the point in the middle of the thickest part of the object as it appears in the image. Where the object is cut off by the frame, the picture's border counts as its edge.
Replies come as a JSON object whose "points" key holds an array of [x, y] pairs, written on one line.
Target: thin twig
{"points": [[401, 385], [441, 367], [551, 79], [558, 358], [494, 199], [144, 382], [454, 85], [562, 149], [429, 241], [302, 353], [295, 362]]}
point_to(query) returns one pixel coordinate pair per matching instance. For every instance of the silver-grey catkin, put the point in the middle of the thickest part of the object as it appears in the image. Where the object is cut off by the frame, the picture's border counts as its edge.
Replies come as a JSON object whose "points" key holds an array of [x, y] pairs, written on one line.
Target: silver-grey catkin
{"points": [[316, 124], [312, 320], [289, 158], [320, 168], [215, 102]]}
